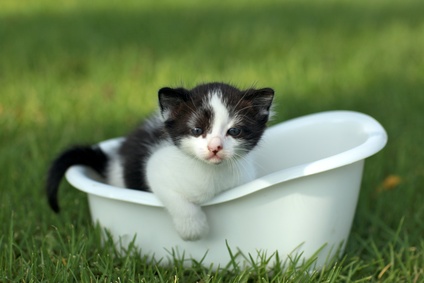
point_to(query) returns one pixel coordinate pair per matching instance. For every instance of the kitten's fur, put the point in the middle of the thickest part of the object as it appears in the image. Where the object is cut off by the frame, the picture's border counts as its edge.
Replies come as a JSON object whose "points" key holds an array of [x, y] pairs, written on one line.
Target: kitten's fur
{"points": [[198, 145]]}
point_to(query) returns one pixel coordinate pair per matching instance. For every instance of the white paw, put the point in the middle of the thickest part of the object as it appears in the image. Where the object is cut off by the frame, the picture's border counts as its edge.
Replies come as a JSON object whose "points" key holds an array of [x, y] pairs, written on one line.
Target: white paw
{"points": [[192, 227]]}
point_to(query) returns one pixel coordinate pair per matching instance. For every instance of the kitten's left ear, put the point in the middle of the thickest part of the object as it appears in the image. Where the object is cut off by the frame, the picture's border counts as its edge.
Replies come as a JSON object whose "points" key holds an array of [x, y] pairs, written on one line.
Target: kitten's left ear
{"points": [[261, 99], [171, 98]]}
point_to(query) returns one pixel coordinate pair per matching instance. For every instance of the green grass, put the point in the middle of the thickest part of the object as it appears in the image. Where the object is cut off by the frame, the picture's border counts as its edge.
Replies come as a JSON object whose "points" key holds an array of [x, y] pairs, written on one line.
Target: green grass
{"points": [[78, 71]]}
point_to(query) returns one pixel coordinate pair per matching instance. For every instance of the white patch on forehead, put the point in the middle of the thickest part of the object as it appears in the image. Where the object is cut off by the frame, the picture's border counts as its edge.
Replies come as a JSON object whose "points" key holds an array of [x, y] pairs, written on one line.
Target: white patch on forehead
{"points": [[221, 116]]}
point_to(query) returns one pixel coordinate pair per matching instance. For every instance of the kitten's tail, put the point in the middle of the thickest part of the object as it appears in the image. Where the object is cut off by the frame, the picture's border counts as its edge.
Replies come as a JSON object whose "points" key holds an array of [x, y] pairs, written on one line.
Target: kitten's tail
{"points": [[91, 156]]}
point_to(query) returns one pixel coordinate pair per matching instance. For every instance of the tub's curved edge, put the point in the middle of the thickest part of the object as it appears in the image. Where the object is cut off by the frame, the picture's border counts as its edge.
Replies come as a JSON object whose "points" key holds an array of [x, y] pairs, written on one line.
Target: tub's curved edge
{"points": [[84, 179], [371, 146], [377, 139]]}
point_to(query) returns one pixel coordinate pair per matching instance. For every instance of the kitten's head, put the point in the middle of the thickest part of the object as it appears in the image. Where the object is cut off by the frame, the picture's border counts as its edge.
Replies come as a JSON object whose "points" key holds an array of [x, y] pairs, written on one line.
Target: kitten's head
{"points": [[215, 122]]}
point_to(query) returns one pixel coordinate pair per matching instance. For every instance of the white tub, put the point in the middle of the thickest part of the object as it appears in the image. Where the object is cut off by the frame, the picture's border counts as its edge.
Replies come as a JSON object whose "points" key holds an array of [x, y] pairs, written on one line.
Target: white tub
{"points": [[310, 171]]}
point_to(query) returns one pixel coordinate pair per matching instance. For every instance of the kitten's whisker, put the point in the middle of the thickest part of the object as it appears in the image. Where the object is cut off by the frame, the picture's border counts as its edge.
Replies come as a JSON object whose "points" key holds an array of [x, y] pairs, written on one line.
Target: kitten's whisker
{"points": [[235, 169], [241, 98]]}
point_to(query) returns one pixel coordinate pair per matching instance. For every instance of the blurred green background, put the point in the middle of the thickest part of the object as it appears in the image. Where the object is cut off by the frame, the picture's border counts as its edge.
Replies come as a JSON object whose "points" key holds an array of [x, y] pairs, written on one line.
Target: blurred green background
{"points": [[83, 71]]}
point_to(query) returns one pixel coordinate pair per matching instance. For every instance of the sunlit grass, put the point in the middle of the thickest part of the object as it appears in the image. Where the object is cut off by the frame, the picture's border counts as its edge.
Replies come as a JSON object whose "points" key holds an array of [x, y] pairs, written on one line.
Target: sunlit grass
{"points": [[84, 71]]}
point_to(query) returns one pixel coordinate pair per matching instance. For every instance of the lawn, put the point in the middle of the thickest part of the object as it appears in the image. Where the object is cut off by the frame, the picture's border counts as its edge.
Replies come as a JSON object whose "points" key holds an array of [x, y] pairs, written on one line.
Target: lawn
{"points": [[78, 71]]}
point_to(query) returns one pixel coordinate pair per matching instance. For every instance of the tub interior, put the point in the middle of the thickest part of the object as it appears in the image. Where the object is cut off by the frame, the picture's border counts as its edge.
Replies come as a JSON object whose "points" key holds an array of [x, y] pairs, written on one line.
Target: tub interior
{"points": [[289, 150], [292, 146]]}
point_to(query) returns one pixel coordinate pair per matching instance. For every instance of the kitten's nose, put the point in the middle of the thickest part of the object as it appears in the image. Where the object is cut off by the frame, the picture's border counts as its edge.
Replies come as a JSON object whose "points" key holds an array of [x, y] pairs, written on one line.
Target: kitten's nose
{"points": [[215, 145]]}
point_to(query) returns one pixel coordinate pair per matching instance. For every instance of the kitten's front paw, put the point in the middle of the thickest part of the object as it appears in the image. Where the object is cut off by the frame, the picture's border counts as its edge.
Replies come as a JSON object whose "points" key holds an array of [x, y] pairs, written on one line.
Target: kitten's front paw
{"points": [[193, 227]]}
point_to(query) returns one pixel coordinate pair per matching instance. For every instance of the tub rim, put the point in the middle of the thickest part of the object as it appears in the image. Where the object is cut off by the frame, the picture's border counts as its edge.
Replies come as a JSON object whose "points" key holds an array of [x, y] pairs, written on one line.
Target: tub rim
{"points": [[79, 176]]}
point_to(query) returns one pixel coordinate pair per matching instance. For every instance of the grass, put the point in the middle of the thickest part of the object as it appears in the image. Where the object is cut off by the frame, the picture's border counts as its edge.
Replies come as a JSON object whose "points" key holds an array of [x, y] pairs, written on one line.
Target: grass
{"points": [[83, 71]]}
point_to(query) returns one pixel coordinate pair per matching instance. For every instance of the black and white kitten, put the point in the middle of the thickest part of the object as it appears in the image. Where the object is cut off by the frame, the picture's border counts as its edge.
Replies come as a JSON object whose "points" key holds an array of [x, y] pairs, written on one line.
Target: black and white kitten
{"points": [[198, 145]]}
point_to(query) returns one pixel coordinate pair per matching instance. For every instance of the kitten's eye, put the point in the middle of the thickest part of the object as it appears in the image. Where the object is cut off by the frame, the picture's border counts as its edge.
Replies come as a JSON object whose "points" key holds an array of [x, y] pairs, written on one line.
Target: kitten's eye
{"points": [[196, 131], [234, 132]]}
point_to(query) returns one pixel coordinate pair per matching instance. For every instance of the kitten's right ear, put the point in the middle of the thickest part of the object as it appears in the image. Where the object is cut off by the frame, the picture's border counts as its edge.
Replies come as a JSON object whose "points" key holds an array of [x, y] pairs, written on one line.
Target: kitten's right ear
{"points": [[171, 98]]}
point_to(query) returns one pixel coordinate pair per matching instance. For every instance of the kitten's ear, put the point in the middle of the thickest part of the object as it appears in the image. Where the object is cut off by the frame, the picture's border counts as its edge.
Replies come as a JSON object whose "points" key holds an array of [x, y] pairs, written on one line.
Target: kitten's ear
{"points": [[261, 99], [170, 98]]}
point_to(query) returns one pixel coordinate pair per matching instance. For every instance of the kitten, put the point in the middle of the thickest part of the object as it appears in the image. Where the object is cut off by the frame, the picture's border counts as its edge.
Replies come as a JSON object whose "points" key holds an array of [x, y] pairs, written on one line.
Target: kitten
{"points": [[198, 145]]}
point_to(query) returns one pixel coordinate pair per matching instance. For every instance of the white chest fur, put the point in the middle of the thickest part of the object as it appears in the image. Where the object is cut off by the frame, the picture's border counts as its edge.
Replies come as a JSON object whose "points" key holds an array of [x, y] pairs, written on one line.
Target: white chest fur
{"points": [[183, 183], [170, 169]]}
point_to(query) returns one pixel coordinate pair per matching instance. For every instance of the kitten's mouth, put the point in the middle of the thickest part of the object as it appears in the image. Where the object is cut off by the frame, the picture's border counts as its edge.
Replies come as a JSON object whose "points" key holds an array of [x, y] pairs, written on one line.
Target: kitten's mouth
{"points": [[214, 159]]}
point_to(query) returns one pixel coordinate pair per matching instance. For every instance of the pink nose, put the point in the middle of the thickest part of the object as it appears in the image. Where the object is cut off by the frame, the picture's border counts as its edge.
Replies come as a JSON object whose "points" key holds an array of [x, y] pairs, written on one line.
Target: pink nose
{"points": [[215, 145]]}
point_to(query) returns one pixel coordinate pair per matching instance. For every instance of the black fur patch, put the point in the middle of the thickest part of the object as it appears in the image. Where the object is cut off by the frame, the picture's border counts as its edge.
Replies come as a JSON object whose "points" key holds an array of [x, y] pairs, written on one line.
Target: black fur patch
{"points": [[135, 151]]}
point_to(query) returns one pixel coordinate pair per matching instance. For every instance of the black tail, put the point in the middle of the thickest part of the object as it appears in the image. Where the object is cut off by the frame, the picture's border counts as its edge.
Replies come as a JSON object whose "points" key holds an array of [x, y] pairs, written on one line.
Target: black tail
{"points": [[93, 157]]}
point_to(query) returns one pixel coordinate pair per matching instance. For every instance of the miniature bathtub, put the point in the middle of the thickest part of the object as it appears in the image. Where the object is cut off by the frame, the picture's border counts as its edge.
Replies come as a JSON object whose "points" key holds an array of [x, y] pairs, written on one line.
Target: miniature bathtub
{"points": [[303, 201]]}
